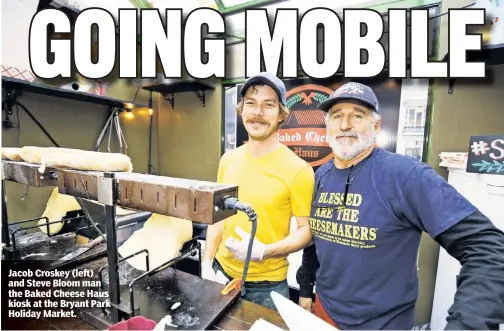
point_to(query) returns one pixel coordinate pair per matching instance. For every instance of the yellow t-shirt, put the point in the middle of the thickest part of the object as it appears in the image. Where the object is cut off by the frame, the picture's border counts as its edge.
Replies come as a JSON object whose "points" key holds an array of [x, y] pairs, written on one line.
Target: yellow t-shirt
{"points": [[278, 186]]}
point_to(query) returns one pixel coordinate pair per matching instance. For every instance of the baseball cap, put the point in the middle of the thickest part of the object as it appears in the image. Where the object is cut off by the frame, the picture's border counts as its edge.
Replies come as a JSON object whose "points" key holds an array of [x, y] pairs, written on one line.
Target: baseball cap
{"points": [[352, 91], [267, 79]]}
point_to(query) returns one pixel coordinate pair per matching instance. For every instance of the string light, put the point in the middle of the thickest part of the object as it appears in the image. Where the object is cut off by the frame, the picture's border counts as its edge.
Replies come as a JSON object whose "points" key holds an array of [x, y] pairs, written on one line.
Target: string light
{"points": [[130, 105], [129, 114]]}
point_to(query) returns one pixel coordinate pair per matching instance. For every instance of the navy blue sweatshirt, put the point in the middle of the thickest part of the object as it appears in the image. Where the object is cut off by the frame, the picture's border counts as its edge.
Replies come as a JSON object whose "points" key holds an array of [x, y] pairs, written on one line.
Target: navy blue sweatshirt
{"points": [[364, 256]]}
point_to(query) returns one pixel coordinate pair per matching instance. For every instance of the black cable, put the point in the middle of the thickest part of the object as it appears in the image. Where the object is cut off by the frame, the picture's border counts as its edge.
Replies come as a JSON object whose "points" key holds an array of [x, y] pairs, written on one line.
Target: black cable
{"points": [[38, 123], [149, 165], [252, 218], [134, 98], [18, 127], [232, 203]]}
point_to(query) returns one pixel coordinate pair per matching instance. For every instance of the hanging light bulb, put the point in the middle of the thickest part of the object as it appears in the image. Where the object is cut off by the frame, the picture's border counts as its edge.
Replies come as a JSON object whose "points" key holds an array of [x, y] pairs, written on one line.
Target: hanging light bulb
{"points": [[129, 114]]}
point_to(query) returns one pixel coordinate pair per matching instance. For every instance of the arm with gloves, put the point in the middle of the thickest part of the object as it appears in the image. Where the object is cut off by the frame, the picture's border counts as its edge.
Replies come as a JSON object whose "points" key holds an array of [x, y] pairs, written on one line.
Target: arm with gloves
{"points": [[294, 242], [301, 191]]}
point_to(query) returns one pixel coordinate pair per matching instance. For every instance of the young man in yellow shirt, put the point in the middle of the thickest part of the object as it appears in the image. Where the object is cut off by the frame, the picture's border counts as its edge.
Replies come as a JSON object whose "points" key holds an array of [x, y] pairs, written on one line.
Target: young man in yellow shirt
{"points": [[276, 183]]}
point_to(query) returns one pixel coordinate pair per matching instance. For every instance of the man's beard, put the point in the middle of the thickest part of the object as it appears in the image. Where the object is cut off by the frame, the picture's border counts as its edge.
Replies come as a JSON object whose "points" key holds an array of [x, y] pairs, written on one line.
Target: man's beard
{"points": [[347, 150], [270, 130]]}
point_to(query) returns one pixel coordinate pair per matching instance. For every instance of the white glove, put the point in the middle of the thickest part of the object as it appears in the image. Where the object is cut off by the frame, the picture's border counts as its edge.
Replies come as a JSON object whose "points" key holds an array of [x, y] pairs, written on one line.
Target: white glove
{"points": [[239, 247], [220, 278], [207, 272]]}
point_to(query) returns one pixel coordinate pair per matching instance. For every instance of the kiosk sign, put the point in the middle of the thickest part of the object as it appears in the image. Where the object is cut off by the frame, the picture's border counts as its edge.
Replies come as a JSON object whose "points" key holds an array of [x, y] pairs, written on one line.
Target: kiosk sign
{"points": [[304, 130], [486, 155]]}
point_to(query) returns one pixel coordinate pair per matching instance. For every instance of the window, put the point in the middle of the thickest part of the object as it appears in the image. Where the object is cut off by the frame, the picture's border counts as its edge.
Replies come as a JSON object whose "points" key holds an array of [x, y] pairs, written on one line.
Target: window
{"points": [[415, 119], [414, 148], [414, 152], [412, 117]]}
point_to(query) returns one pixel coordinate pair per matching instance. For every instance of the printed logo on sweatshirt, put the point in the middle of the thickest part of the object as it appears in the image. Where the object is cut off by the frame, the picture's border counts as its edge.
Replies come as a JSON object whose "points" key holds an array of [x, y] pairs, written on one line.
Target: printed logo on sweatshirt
{"points": [[337, 223]]}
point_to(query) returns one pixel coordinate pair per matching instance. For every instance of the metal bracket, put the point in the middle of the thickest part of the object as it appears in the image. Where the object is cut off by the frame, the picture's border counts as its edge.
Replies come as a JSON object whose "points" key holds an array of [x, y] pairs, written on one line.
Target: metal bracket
{"points": [[170, 97], [9, 101], [201, 96]]}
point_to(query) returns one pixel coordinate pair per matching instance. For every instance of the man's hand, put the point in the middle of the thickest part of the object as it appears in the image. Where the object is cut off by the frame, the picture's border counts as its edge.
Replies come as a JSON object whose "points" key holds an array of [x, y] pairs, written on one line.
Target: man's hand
{"points": [[239, 247], [306, 303]]}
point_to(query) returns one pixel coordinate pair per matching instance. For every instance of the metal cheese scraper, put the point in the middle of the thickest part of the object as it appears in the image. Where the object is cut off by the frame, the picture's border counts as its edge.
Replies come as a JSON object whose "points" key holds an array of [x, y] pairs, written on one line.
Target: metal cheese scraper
{"points": [[79, 251], [298, 318]]}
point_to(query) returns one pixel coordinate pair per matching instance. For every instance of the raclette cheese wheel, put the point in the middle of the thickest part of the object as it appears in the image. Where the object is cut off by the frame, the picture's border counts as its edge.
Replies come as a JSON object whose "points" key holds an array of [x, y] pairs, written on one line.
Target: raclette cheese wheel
{"points": [[11, 153], [57, 207], [163, 236], [86, 161]]}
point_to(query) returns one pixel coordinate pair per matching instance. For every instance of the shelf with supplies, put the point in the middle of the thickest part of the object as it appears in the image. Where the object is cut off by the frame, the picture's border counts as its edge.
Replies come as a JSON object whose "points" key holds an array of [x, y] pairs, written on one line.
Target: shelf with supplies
{"points": [[20, 85]]}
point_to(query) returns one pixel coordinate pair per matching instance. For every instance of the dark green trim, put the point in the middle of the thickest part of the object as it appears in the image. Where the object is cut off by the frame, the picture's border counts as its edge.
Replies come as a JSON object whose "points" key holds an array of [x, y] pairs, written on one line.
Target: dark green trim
{"points": [[381, 6], [140, 4], [245, 6], [384, 5], [428, 121], [223, 121], [220, 5], [432, 92]]}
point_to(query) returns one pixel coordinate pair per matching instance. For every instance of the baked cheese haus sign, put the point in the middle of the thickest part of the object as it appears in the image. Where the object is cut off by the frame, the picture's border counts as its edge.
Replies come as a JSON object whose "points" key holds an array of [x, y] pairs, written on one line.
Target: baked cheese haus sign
{"points": [[304, 130]]}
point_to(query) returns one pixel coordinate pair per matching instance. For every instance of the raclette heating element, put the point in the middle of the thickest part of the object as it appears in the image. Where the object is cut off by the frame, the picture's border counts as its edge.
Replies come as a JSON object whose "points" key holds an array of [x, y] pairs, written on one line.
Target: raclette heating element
{"points": [[197, 201], [27, 173]]}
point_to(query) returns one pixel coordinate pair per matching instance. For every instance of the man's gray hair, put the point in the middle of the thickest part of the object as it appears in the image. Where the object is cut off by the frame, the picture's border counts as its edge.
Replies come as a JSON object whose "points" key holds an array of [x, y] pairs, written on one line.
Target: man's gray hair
{"points": [[376, 117]]}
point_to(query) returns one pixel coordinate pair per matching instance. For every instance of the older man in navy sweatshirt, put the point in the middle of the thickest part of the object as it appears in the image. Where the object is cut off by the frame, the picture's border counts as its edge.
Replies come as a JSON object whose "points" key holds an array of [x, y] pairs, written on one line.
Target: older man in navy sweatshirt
{"points": [[369, 210]]}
